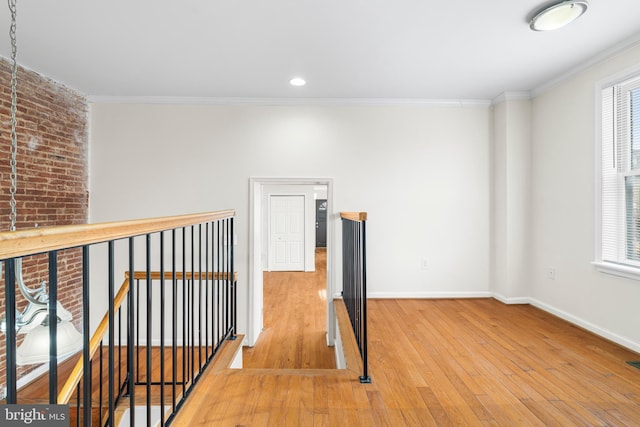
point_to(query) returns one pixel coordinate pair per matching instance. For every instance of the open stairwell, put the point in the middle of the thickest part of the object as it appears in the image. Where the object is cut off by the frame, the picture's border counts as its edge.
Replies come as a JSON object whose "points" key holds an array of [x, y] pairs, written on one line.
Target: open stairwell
{"points": [[162, 327], [259, 396], [244, 391]]}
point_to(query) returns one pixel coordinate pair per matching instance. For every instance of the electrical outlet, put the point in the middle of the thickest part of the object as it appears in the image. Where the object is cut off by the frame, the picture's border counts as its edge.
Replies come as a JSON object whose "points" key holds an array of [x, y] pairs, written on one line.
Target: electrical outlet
{"points": [[551, 273]]}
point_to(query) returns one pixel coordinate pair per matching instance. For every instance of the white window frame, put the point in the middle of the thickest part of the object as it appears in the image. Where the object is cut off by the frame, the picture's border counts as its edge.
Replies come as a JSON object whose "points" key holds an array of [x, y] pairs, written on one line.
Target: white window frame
{"points": [[625, 268]]}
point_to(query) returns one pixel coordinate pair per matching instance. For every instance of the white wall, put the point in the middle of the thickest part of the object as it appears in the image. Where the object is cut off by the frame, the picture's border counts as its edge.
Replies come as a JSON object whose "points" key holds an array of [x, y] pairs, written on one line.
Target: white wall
{"points": [[563, 222], [421, 172], [511, 197]]}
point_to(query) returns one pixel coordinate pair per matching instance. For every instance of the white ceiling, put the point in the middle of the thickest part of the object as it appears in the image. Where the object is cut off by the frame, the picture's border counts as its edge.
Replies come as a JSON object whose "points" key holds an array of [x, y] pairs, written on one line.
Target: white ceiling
{"points": [[415, 49]]}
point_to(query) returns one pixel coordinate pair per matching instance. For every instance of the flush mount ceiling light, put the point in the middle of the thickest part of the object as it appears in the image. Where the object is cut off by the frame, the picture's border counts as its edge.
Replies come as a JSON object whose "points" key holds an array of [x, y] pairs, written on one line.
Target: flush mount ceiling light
{"points": [[297, 81], [558, 15]]}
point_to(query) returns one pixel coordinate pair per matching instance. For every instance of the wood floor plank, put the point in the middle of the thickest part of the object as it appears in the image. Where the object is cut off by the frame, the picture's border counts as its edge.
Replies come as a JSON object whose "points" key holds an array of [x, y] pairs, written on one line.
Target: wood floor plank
{"points": [[336, 417], [507, 413], [351, 418], [577, 415], [320, 420]]}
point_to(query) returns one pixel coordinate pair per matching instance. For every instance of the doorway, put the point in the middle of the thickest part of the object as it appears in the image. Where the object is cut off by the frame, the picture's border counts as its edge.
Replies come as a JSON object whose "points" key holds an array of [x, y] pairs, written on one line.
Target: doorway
{"points": [[258, 255]]}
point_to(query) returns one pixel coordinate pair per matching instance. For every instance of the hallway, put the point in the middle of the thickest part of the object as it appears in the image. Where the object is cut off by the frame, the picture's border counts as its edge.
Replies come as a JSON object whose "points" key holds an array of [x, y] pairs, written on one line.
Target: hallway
{"points": [[295, 321]]}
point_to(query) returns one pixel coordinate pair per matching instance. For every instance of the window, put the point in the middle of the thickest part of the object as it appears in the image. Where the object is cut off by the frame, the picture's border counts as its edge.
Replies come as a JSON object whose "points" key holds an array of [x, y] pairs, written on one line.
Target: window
{"points": [[620, 177]]}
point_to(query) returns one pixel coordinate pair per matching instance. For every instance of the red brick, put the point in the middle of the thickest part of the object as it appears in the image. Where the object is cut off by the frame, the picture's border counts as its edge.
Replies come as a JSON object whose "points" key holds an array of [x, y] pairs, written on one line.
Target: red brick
{"points": [[52, 175]]}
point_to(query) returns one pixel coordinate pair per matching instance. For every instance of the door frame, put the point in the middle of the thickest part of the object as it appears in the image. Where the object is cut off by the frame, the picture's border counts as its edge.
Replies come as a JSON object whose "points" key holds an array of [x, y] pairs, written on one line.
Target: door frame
{"points": [[257, 234]]}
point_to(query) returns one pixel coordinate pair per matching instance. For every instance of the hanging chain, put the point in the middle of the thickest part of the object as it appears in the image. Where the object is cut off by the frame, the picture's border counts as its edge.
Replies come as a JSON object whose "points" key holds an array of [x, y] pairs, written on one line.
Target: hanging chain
{"points": [[14, 106]]}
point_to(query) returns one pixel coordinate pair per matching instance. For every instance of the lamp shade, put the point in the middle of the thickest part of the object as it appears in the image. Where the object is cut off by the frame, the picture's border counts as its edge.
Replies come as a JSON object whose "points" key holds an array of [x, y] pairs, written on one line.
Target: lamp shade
{"points": [[35, 347], [558, 15]]}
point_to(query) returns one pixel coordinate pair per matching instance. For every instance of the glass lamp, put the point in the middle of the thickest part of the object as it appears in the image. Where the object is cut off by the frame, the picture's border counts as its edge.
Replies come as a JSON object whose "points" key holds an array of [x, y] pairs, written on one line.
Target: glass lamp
{"points": [[558, 15], [33, 322], [35, 347]]}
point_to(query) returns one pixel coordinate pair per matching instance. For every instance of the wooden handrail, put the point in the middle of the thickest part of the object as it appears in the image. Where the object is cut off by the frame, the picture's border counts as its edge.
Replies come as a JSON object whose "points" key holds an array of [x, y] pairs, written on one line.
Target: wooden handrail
{"points": [[168, 275], [354, 216], [37, 240], [76, 374]]}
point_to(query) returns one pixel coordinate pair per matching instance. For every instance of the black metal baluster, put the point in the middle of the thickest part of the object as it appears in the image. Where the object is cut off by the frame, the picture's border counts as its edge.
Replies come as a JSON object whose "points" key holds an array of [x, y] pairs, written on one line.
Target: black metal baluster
{"points": [[162, 303], [206, 290], [200, 298], [174, 320], [53, 327], [111, 314], [100, 384], [214, 280], [365, 378], [357, 283], [10, 313], [78, 402], [120, 382], [220, 277], [226, 278], [149, 321], [192, 347], [184, 310], [137, 312], [86, 336], [131, 374]]}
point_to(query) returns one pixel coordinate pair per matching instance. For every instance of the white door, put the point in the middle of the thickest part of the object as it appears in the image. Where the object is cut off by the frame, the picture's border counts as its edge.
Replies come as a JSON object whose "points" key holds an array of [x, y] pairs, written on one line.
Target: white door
{"points": [[286, 233]]}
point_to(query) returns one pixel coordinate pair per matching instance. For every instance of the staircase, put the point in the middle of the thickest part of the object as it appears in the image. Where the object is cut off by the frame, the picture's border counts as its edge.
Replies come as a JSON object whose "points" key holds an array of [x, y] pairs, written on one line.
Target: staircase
{"points": [[279, 396], [162, 328]]}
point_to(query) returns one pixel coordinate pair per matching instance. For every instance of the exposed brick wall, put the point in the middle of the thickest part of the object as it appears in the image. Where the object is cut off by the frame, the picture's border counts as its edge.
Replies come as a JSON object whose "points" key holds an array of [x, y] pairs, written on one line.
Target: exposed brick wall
{"points": [[52, 161]]}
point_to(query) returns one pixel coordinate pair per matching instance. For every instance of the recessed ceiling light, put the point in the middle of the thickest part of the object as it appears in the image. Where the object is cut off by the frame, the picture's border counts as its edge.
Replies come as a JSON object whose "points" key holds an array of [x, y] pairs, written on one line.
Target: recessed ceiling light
{"points": [[297, 81], [558, 15]]}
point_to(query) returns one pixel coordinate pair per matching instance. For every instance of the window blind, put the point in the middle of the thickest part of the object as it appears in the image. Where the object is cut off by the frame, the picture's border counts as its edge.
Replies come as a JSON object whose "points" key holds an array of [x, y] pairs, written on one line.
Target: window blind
{"points": [[620, 173]]}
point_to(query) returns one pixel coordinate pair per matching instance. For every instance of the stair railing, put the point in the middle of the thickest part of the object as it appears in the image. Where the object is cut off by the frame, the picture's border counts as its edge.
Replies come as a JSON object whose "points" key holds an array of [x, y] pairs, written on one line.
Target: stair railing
{"points": [[354, 280], [188, 289]]}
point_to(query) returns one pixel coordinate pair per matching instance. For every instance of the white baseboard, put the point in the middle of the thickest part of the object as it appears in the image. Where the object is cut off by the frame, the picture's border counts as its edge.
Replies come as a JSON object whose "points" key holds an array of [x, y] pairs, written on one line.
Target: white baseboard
{"points": [[33, 375], [511, 300], [338, 350], [428, 295], [631, 345], [36, 373], [237, 362]]}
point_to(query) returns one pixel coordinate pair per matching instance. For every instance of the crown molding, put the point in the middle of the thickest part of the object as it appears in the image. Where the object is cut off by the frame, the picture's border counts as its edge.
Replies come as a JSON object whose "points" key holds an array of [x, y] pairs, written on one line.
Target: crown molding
{"points": [[511, 96], [602, 56], [288, 101]]}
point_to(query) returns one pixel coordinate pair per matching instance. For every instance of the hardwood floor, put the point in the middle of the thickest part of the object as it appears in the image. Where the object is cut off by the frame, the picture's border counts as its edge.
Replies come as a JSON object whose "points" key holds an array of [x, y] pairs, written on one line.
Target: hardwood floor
{"points": [[295, 321], [441, 362], [432, 363]]}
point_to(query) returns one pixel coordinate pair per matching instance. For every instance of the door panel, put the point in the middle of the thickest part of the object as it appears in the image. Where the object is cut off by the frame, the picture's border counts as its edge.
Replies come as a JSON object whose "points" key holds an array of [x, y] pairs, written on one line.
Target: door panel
{"points": [[286, 233], [321, 223]]}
